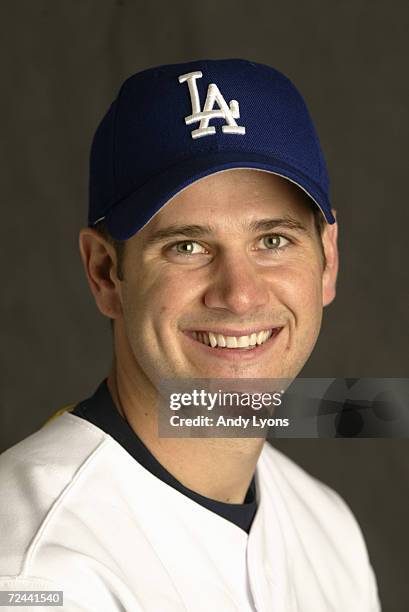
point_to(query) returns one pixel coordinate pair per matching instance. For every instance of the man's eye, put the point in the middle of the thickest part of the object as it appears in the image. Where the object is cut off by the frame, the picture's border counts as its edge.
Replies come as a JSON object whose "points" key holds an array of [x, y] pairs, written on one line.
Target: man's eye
{"points": [[274, 242], [188, 247]]}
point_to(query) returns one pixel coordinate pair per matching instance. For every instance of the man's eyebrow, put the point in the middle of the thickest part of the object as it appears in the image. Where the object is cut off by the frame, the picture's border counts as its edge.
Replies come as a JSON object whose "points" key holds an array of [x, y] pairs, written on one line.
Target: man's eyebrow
{"points": [[264, 225], [199, 231]]}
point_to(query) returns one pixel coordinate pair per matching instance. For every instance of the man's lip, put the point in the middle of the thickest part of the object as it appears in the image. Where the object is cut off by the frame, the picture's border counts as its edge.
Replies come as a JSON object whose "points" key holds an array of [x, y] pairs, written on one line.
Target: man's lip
{"points": [[232, 332], [240, 355]]}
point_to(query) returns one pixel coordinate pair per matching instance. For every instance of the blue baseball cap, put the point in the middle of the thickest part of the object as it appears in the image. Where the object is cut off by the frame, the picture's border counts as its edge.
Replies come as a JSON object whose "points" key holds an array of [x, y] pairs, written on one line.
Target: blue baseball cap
{"points": [[174, 124]]}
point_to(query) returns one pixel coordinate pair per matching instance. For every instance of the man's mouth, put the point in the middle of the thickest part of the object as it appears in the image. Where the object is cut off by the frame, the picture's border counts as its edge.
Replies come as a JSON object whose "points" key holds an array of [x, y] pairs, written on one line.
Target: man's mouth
{"points": [[248, 341]]}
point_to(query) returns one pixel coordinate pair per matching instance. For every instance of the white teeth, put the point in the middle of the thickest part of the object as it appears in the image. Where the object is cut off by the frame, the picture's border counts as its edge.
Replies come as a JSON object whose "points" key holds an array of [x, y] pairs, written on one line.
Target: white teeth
{"points": [[260, 337], [212, 338], [243, 341], [231, 342], [220, 340]]}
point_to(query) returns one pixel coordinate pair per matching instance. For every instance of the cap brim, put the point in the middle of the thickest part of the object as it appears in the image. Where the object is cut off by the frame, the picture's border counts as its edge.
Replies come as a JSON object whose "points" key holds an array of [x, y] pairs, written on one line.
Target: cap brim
{"points": [[133, 212]]}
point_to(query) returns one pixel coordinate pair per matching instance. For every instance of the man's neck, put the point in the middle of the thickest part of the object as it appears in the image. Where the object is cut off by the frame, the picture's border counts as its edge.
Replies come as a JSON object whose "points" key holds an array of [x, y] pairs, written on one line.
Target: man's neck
{"points": [[217, 468]]}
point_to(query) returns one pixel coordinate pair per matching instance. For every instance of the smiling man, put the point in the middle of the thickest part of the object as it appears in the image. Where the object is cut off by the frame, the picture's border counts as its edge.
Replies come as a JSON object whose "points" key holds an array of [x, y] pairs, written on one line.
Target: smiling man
{"points": [[212, 246]]}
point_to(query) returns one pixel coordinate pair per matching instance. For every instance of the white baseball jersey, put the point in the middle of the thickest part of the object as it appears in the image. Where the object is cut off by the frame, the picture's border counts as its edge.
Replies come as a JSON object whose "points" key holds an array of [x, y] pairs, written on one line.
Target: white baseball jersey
{"points": [[79, 514]]}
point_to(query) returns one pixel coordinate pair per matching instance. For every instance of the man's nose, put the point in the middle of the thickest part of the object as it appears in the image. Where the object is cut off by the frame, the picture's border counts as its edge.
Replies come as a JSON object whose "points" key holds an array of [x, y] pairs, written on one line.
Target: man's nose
{"points": [[237, 284]]}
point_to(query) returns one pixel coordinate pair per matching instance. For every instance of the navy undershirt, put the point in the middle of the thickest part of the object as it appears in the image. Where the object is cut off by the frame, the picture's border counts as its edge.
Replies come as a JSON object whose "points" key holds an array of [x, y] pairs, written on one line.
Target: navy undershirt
{"points": [[100, 410]]}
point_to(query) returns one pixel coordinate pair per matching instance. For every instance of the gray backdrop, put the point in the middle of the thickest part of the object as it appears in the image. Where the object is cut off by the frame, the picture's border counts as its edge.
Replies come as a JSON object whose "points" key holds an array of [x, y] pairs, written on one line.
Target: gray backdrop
{"points": [[61, 65]]}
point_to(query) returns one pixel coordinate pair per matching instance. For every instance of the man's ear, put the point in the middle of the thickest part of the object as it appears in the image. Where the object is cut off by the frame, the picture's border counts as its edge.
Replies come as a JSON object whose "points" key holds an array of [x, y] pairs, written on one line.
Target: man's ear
{"points": [[100, 264], [330, 273]]}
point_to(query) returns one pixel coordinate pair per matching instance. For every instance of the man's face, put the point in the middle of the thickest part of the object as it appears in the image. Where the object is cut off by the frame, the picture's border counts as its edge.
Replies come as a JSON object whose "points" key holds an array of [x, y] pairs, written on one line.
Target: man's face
{"points": [[234, 259]]}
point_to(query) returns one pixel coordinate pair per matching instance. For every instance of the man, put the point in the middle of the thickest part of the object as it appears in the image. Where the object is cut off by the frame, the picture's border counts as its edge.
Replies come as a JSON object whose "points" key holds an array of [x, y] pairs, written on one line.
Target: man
{"points": [[212, 174]]}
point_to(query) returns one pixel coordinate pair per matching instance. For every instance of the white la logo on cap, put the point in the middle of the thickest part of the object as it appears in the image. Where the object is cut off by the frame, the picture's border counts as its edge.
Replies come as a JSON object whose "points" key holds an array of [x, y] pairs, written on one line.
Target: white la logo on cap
{"points": [[228, 112]]}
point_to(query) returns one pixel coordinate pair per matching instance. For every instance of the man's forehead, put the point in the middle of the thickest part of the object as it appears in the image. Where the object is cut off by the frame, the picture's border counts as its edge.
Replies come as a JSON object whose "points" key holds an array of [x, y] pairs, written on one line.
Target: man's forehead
{"points": [[238, 197]]}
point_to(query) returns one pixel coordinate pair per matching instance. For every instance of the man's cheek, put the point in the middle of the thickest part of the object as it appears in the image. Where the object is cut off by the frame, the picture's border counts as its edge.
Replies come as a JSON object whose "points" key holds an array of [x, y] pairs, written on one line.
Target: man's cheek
{"points": [[298, 289], [308, 287]]}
